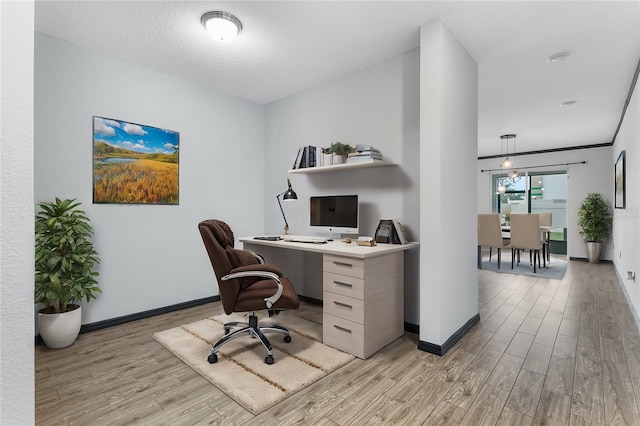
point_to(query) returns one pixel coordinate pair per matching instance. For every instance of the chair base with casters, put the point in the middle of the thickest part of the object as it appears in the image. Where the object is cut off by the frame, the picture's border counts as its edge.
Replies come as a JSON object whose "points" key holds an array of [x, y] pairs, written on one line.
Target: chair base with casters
{"points": [[252, 329]]}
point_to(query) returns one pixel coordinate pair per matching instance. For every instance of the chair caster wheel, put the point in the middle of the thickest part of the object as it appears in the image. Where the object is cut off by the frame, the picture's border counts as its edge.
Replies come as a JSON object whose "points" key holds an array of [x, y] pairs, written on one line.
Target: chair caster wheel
{"points": [[213, 358], [268, 360], [287, 339]]}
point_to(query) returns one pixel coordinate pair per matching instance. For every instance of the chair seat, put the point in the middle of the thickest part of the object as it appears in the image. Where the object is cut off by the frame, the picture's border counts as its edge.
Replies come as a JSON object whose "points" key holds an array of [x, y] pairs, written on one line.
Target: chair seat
{"points": [[252, 298]]}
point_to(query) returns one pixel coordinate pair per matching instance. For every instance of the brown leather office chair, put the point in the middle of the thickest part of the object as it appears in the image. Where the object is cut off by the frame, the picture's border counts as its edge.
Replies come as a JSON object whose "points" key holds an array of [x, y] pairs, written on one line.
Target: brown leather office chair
{"points": [[246, 284]]}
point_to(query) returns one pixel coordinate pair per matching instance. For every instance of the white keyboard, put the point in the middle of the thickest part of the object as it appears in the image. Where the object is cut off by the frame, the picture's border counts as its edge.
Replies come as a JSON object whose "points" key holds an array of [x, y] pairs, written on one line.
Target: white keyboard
{"points": [[304, 239]]}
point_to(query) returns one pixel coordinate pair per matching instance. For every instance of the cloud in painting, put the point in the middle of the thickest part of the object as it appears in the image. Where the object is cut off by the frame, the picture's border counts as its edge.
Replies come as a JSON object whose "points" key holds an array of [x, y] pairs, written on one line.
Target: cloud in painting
{"points": [[135, 146], [104, 127], [133, 129]]}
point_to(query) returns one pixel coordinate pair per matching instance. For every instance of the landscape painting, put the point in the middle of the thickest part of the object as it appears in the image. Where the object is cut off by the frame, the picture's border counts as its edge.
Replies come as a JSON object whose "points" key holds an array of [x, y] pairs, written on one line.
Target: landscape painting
{"points": [[134, 164]]}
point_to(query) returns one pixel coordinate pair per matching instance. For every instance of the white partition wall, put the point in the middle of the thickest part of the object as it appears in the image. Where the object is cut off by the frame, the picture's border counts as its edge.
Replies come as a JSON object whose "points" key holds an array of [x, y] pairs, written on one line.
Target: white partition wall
{"points": [[448, 144], [16, 214]]}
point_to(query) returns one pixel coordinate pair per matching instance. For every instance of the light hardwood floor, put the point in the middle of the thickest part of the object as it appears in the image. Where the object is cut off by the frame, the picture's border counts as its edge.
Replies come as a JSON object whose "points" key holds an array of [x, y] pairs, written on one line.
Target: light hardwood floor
{"points": [[546, 352]]}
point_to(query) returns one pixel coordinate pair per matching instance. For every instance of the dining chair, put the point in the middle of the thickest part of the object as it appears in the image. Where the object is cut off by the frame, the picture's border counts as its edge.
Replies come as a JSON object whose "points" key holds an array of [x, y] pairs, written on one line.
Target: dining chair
{"points": [[525, 235], [490, 234], [546, 220]]}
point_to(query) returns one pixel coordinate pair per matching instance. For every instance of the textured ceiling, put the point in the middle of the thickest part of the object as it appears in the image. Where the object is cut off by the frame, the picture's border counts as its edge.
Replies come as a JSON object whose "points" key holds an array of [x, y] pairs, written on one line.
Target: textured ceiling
{"points": [[290, 46]]}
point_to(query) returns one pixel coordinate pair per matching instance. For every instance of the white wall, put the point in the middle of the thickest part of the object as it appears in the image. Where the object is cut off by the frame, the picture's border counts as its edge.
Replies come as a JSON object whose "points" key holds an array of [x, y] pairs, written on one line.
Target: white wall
{"points": [[152, 256], [626, 233], [448, 143], [378, 106], [16, 213], [594, 176]]}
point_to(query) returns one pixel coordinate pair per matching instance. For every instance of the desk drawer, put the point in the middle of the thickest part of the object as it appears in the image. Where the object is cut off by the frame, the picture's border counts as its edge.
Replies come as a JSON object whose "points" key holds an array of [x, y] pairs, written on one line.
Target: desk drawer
{"points": [[343, 265], [343, 334], [344, 285], [344, 307]]}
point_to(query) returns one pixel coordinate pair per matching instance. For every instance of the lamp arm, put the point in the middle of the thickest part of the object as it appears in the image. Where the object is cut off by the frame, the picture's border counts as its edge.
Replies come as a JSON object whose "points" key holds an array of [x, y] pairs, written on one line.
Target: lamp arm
{"points": [[281, 210]]}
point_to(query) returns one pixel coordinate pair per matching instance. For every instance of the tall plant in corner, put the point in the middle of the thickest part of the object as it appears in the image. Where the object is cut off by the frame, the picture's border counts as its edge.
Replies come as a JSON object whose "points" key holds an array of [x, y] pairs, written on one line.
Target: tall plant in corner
{"points": [[594, 220], [65, 258]]}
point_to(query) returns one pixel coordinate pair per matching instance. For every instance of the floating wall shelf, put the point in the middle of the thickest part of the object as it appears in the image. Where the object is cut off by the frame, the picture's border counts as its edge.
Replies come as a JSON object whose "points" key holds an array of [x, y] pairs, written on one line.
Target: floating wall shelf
{"points": [[344, 166]]}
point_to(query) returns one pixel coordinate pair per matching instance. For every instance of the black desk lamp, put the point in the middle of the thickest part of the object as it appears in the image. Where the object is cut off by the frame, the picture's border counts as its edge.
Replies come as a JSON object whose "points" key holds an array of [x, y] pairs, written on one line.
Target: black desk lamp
{"points": [[288, 195]]}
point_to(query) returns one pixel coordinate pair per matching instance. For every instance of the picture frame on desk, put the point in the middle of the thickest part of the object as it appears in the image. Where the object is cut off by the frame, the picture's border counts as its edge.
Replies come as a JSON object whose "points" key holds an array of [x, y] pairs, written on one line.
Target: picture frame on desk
{"points": [[390, 231]]}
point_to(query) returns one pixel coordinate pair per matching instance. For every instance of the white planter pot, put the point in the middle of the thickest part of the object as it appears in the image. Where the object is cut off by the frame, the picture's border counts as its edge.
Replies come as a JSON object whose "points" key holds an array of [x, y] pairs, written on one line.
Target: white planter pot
{"points": [[338, 159], [60, 330]]}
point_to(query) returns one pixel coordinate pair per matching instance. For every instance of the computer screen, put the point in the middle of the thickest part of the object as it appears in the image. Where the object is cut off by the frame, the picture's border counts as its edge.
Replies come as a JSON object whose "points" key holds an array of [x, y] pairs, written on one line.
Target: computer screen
{"points": [[336, 214]]}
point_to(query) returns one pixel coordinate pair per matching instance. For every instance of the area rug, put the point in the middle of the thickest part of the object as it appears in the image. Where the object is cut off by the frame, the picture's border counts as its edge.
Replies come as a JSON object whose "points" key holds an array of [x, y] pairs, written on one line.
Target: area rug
{"points": [[554, 270], [241, 372]]}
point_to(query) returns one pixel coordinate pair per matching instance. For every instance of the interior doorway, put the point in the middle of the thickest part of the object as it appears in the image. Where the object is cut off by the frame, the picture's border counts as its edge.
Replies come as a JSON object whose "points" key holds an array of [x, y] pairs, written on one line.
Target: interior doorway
{"points": [[537, 192]]}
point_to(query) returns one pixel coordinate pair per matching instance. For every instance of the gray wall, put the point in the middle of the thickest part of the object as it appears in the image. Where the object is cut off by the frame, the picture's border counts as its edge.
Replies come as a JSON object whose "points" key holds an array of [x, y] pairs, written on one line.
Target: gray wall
{"points": [[378, 106], [152, 256]]}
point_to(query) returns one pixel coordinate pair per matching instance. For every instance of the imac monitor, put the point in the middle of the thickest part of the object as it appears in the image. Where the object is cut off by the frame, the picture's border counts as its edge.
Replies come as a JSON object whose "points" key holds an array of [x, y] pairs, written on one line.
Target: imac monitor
{"points": [[335, 214]]}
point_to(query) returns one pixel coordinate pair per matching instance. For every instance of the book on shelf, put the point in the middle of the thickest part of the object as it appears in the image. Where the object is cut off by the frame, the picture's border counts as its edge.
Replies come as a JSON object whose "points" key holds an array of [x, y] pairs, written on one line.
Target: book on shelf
{"points": [[363, 158], [316, 156], [296, 163], [366, 148]]}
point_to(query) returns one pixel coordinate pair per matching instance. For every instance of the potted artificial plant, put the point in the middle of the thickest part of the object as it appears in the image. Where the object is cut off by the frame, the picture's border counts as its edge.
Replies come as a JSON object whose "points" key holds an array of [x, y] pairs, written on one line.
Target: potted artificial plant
{"points": [[594, 220], [64, 275], [340, 151]]}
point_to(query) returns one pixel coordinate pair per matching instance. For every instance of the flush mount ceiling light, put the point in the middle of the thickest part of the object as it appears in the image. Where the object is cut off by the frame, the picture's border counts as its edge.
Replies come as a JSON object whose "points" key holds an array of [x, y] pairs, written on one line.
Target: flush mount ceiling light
{"points": [[221, 26], [558, 57]]}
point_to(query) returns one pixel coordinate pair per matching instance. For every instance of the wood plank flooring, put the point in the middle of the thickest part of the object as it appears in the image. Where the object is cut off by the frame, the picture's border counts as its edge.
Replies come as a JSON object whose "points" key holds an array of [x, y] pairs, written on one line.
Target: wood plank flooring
{"points": [[545, 352]]}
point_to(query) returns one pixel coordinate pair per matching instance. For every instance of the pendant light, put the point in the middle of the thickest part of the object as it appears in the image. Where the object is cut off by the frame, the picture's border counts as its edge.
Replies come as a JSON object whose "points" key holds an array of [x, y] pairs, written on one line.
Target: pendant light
{"points": [[507, 163], [501, 188]]}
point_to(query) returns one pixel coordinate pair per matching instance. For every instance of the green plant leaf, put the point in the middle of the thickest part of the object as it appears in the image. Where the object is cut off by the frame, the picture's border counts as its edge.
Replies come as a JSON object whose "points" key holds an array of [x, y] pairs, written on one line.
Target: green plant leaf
{"points": [[64, 255]]}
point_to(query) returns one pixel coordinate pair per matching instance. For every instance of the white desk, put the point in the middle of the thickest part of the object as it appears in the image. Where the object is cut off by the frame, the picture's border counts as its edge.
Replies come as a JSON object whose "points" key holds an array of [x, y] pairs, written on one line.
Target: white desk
{"points": [[362, 288]]}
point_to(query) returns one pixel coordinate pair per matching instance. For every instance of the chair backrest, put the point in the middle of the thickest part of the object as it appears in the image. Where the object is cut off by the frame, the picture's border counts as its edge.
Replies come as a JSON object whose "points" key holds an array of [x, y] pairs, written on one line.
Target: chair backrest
{"points": [[489, 230], [217, 236], [545, 219], [525, 231]]}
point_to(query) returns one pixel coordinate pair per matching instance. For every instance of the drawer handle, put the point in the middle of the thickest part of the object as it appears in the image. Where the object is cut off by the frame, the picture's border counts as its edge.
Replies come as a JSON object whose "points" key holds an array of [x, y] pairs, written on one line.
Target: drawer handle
{"points": [[348, 265], [346, 330], [344, 305], [343, 284]]}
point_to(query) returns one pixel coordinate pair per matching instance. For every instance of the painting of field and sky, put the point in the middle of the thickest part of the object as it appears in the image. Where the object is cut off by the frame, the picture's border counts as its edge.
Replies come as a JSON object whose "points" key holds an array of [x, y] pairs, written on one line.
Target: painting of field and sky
{"points": [[134, 164]]}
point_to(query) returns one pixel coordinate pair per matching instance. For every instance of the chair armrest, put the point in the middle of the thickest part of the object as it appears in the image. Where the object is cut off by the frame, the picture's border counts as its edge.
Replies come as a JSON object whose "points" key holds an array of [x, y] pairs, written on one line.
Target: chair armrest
{"points": [[259, 257], [269, 301]]}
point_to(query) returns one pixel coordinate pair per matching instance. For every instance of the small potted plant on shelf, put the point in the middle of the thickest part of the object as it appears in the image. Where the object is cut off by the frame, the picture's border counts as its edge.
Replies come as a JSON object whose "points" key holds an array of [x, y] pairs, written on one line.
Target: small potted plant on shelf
{"points": [[594, 220], [64, 275], [340, 152]]}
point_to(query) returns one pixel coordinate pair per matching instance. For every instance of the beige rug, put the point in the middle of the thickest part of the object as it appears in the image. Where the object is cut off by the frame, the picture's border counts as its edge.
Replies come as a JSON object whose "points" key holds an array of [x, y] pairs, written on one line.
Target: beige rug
{"points": [[241, 371]]}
